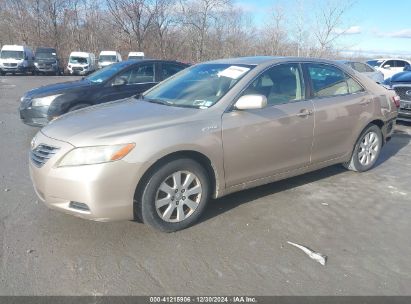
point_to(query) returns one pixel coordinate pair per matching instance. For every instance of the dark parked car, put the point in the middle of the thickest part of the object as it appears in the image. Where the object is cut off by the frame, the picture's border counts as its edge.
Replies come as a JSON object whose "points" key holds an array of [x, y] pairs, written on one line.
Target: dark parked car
{"points": [[401, 83], [117, 81], [46, 61]]}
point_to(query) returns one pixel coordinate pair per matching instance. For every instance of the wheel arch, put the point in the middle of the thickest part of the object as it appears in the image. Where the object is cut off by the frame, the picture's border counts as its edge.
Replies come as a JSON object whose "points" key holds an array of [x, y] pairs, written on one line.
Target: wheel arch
{"points": [[191, 154]]}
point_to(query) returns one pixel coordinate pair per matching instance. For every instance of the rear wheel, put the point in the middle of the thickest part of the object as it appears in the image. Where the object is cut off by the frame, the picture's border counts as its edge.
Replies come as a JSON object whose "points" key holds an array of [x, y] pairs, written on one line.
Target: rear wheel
{"points": [[366, 150], [174, 196]]}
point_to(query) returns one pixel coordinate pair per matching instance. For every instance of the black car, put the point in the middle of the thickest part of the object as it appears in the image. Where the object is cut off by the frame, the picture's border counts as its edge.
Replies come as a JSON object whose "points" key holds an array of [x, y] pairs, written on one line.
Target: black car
{"points": [[401, 83], [46, 61], [117, 81]]}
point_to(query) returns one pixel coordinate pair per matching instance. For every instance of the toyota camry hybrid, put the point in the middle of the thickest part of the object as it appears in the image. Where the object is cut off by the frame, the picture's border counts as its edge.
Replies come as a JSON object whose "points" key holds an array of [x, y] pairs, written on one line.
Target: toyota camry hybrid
{"points": [[210, 130]]}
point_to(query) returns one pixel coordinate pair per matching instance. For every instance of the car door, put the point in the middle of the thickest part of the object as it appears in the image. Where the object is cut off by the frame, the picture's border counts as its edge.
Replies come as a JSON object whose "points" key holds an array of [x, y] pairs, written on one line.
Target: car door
{"points": [[137, 79], [340, 104], [278, 138]]}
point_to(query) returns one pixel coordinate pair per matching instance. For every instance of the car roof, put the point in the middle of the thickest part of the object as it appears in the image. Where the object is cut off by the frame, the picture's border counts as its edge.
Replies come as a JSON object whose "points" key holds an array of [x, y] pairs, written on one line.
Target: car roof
{"points": [[262, 60]]}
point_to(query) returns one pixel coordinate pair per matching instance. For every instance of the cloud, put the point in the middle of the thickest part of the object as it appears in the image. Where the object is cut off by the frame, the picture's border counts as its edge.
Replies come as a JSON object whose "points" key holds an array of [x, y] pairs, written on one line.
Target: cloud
{"points": [[352, 30], [405, 33]]}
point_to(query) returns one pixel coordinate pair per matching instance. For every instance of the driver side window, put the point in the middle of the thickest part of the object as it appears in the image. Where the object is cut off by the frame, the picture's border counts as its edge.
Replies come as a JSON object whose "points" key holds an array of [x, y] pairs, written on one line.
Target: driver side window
{"points": [[280, 84]]}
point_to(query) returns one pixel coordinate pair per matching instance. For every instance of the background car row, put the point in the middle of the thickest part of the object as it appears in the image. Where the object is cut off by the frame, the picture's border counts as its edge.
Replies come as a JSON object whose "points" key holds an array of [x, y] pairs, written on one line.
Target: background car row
{"points": [[18, 59]]}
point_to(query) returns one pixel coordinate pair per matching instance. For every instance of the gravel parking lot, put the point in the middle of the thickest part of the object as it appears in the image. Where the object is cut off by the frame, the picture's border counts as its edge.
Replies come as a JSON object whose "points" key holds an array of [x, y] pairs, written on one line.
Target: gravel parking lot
{"points": [[360, 221]]}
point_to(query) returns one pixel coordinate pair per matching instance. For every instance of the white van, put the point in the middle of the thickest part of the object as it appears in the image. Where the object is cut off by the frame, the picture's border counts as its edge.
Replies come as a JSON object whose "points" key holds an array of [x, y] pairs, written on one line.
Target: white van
{"points": [[108, 57], [16, 59], [81, 63], [135, 55]]}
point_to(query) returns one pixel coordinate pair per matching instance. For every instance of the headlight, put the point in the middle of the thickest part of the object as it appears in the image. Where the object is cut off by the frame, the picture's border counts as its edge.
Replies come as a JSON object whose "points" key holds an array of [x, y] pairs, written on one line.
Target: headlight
{"points": [[36, 63], [44, 101], [95, 155]]}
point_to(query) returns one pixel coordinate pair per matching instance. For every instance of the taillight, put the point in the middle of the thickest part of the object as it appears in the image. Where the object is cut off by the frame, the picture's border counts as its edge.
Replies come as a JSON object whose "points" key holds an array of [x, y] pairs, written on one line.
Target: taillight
{"points": [[396, 100]]}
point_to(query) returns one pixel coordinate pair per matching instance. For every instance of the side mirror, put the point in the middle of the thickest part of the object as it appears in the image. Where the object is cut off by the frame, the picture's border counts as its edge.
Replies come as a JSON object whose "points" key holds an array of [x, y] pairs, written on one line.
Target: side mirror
{"points": [[387, 66], [119, 81], [250, 102]]}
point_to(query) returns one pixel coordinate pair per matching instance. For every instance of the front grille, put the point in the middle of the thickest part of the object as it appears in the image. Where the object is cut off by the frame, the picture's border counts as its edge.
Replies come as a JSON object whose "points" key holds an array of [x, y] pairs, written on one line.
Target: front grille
{"points": [[41, 154], [10, 64], [77, 69], [402, 92]]}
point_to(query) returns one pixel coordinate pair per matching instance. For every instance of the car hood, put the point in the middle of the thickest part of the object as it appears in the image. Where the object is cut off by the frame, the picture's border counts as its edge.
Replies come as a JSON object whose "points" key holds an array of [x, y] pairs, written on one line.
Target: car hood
{"points": [[113, 122], [402, 77], [58, 88]]}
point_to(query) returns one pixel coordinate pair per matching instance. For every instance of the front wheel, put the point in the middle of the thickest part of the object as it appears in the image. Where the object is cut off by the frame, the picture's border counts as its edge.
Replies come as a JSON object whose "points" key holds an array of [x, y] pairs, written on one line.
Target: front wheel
{"points": [[366, 150], [174, 196]]}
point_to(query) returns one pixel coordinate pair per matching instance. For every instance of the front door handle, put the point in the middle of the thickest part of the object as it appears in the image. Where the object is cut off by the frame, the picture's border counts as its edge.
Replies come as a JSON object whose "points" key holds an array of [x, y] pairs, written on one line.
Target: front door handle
{"points": [[304, 113]]}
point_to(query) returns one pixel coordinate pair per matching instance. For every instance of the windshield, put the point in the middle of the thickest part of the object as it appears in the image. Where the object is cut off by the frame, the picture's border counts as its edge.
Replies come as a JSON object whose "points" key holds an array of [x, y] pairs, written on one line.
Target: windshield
{"points": [[107, 58], [135, 57], [374, 63], [46, 55], [12, 54], [75, 59], [106, 72], [200, 86]]}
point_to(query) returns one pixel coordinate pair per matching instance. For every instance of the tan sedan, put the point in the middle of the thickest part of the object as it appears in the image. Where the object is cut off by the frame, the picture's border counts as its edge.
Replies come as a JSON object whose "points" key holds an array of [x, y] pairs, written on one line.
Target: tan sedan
{"points": [[210, 130]]}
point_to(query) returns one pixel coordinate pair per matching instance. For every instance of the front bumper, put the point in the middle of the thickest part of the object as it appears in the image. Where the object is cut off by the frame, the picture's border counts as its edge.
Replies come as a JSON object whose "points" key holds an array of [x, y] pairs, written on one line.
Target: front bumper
{"points": [[17, 69], [34, 116], [78, 72], [106, 189], [46, 69], [404, 112]]}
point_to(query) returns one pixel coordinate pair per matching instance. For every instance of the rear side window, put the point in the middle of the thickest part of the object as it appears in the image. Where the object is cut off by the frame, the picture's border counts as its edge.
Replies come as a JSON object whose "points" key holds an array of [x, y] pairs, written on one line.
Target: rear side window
{"points": [[400, 63], [368, 68], [327, 80], [353, 85], [169, 69], [360, 67]]}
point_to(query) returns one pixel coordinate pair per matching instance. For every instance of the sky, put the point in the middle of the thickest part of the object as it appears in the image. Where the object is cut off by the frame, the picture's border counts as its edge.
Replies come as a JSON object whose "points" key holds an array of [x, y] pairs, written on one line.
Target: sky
{"points": [[372, 27]]}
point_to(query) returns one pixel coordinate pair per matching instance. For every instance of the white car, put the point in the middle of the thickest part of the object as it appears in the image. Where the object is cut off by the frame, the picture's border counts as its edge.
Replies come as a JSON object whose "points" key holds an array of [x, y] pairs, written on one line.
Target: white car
{"points": [[81, 63], [389, 66], [135, 55], [16, 59], [108, 57]]}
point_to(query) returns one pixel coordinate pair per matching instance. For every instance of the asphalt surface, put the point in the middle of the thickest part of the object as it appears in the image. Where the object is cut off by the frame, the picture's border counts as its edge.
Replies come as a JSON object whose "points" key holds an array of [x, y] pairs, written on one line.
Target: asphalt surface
{"points": [[362, 222]]}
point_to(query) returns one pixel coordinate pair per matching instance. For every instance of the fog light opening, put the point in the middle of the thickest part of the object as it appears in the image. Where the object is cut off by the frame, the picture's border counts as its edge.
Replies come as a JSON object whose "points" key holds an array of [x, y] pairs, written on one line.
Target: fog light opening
{"points": [[79, 206]]}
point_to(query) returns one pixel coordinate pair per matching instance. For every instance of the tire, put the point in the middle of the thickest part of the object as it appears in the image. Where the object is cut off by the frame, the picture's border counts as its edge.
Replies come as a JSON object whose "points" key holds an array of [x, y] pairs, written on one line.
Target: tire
{"points": [[366, 150], [172, 210], [78, 107], [2, 73]]}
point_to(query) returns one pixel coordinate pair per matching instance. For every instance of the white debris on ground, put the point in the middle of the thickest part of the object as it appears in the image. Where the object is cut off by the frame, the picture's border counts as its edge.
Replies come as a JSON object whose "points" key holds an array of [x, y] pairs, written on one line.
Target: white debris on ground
{"points": [[394, 190], [316, 256]]}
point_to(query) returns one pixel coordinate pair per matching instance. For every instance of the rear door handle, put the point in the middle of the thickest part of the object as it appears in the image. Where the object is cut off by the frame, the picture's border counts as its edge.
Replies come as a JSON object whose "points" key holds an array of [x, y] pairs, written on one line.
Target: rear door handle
{"points": [[304, 113]]}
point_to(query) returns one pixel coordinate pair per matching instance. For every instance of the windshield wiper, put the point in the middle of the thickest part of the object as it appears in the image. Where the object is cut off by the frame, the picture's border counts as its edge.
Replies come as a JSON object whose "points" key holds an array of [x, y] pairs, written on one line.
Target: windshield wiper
{"points": [[158, 101]]}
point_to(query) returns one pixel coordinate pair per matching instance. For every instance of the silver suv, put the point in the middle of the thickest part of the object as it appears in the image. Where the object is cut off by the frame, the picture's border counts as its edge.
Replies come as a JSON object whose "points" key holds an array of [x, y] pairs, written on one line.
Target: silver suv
{"points": [[210, 130]]}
